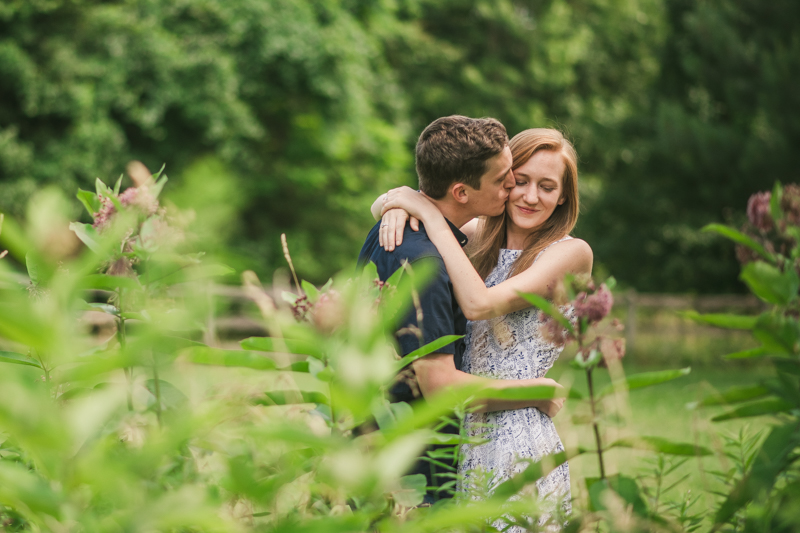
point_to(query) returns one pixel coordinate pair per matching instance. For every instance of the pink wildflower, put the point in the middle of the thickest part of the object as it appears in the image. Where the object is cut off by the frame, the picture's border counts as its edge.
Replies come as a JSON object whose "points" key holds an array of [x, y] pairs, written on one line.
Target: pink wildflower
{"points": [[301, 307], [758, 211], [594, 307], [328, 312], [102, 217], [140, 199], [790, 203], [551, 331]]}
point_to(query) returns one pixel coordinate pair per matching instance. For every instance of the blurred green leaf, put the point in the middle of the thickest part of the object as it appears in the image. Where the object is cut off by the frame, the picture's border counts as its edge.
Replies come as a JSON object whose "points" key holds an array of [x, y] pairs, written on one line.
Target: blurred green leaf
{"points": [[550, 309], [237, 358], [25, 490], [156, 189], [661, 445], [19, 359], [109, 283], [748, 354], [310, 291], [624, 487], [722, 320], [280, 345], [171, 396], [645, 379], [88, 235], [740, 238], [89, 201], [412, 490], [287, 397], [773, 457], [779, 334], [738, 394], [770, 284], [387, 414], [769, 406], [429, 348]]}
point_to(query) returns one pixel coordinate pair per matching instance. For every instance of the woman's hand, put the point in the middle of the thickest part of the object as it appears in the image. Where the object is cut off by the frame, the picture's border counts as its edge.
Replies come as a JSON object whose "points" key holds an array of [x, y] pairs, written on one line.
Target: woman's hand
{"points": [[393, 224], [552, 406], [413, 202]]}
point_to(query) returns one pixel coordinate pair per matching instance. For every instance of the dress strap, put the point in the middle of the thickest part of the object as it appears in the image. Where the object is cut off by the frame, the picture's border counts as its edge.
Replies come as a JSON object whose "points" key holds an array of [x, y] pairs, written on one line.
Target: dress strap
{"points": [[551, 244]]}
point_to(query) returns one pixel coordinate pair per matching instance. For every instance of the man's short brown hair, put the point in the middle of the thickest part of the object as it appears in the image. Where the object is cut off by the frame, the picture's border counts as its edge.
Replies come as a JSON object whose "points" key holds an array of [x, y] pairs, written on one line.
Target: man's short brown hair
{"points": [[456, 149]]}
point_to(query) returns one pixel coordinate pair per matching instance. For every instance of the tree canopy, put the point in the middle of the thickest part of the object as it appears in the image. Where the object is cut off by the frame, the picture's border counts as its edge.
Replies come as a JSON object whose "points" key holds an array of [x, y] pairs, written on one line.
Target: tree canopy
{"points": [[291, 115]]}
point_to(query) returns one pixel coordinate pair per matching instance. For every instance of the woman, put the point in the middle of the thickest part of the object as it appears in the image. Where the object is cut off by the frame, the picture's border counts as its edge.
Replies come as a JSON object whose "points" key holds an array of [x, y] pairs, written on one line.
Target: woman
{"points": [[527, 249]]}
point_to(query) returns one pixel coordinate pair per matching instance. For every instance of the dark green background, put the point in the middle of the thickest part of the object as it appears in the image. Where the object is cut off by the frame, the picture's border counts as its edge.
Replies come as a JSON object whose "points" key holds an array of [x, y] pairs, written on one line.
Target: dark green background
{"points": [[291, 115]]}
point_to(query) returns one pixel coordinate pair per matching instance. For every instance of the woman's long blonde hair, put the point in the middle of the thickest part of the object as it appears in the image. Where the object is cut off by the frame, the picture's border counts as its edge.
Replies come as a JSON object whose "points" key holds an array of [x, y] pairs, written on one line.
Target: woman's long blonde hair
{"points": [[492, 235]]}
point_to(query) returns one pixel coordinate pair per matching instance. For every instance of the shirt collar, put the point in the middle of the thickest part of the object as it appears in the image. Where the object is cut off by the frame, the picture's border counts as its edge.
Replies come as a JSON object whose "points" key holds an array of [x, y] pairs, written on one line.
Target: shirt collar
{"points": [[460, 237]]}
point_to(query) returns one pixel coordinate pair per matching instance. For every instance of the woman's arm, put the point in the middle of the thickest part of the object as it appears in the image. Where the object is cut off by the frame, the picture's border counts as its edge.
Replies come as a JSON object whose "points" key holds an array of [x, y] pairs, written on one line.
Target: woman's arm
{"points": [[476, 300]]}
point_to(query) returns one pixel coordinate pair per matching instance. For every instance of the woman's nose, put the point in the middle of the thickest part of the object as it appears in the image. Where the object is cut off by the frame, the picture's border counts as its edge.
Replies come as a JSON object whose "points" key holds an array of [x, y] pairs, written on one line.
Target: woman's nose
{"points": [[531, 195]]}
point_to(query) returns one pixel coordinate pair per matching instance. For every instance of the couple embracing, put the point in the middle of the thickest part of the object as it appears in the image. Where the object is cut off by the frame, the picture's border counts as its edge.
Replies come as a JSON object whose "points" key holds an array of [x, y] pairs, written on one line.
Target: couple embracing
{"points": [[515, 202]]}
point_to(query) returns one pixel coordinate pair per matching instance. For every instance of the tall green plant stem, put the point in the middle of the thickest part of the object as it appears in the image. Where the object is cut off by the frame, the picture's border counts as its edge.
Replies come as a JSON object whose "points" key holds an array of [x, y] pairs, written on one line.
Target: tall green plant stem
{"points": [[598, 442], [157, 388], [46, 372], [122, 339]]}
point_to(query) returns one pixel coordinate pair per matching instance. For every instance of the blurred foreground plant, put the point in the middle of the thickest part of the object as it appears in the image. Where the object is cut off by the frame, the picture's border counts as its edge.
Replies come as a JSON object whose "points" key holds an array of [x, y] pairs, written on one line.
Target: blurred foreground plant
{"points": [[613, 499], [114, 416], [764, 496]]}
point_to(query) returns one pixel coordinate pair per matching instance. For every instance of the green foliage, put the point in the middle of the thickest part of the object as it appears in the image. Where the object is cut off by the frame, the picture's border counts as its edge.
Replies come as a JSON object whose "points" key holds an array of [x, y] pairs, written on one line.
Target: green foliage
{"points": [[711, 129], [758, 498]]}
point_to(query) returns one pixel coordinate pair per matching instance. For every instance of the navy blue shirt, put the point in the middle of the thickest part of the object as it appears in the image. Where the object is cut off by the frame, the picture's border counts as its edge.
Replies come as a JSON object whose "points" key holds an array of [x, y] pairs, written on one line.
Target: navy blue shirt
{"points": [[441, 316]]}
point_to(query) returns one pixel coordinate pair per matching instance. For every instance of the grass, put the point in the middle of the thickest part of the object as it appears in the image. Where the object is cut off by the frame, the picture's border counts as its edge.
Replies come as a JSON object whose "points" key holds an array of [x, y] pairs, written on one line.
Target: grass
{"points": [[663, 411]]}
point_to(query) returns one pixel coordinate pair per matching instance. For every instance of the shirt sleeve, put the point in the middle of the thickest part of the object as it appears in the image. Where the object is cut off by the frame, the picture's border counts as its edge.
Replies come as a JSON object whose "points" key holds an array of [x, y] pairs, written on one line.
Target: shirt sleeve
{"points": [[438, 320]]}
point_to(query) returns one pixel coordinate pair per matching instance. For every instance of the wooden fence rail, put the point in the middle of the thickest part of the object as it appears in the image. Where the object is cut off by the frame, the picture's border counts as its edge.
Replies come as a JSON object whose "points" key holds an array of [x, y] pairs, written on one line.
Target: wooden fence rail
{"points": [[711, 303]]}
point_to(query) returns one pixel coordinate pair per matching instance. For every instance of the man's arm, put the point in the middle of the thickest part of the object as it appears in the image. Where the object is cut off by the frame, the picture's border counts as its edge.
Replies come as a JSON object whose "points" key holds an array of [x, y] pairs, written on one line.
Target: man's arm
{"points": [[437, 372]]}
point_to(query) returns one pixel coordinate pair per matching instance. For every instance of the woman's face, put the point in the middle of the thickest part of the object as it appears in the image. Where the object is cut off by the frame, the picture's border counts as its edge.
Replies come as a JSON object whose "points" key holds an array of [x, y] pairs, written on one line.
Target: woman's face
{"points": [[538, 190]]}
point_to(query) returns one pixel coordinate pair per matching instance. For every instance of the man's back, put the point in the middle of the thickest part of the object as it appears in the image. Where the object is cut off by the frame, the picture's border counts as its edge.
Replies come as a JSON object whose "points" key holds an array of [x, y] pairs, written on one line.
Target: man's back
{"points": [[441, 316]]}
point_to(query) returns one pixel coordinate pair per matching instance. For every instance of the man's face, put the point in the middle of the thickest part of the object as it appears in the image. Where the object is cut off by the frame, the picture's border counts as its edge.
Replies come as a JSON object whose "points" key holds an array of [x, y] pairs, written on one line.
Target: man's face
{"points": [[496, 183]]}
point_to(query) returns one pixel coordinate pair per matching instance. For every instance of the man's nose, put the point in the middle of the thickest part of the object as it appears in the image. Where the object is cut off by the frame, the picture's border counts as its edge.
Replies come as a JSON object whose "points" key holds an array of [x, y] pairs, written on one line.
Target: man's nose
{"points": [[510, 181]]}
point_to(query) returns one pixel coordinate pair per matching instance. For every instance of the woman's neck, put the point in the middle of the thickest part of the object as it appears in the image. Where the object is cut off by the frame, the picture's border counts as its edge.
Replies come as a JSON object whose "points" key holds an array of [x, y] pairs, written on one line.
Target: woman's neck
{"points": [[516, 236]]}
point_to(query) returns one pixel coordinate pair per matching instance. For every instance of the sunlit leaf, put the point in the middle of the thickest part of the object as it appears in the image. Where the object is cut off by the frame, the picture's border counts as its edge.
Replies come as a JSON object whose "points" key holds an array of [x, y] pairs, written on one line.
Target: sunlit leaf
{"points": [[660, 445], [237, 358], [88, 235], [770, 284], [429, 348], [287, 397], [722, 320], [279, 345], [550, 309], [18, 359], [109, 283], [770, 406], [645, 379], [740, 238]]}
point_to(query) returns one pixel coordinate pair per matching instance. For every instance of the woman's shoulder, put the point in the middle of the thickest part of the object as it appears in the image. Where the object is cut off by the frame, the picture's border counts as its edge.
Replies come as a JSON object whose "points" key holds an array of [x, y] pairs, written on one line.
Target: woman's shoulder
{"points": [[571, 249]]}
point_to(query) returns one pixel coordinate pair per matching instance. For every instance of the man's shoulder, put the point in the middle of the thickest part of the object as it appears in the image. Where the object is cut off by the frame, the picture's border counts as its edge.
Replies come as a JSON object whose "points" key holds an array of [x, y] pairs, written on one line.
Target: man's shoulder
{"points": [[416, 245]]}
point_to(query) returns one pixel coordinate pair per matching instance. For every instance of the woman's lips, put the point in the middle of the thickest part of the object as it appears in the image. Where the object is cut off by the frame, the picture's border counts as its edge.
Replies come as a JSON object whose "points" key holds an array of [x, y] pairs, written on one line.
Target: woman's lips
{"points": [[527, 211]]}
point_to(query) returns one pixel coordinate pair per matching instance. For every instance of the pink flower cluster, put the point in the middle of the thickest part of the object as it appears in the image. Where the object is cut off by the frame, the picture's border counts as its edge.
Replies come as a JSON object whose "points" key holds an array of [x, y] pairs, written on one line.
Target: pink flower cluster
{"points": [[790, 203], [758, 211], [105, 212], [594, 307], [137, 198], [553, 332]]}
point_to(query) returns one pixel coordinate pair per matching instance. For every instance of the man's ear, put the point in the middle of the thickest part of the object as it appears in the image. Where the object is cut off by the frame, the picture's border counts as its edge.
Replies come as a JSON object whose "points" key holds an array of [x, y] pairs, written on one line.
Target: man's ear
{"points": [[459, 193]]}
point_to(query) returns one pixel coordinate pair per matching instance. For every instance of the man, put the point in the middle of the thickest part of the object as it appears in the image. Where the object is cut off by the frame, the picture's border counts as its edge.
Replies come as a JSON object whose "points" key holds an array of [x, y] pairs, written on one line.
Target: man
{"points": [[464, 167]]}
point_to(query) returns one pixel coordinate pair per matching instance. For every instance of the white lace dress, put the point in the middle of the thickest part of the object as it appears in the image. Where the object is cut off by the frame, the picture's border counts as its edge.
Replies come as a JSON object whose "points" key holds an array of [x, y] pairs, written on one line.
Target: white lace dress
{"points": [[510, 347]]}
